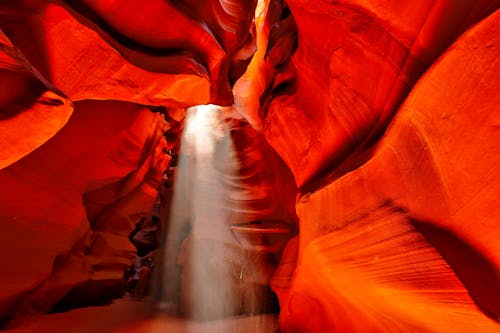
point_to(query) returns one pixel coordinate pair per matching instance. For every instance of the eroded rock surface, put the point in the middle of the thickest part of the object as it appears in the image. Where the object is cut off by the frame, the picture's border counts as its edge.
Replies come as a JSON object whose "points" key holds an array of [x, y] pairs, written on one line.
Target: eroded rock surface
{"points": [[404, 232], [91, 101], [385, 112]]}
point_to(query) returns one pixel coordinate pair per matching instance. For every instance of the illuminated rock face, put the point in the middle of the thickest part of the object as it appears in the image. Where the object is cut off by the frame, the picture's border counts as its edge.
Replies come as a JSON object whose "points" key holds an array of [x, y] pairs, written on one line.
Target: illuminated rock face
{"points": [[82, 153], [386, 113], [48, 230], [355, 63], [399, 231]]}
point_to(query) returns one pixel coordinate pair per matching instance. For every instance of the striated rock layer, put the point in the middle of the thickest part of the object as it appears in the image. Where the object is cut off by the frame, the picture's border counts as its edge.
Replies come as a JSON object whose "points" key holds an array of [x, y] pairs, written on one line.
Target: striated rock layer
{"points": [[354, 64], [385, 112], [406, 233], [92, 97]]}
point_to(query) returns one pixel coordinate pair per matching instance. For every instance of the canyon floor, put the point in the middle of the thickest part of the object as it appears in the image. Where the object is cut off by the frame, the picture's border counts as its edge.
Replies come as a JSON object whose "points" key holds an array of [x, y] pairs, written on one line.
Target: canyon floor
{"points": [[123, 316]]}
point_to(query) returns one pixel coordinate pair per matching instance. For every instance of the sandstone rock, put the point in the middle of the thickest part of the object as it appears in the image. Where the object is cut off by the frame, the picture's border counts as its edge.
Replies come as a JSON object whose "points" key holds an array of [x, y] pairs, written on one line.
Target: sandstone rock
{"points": [[43, 192], [410, 236], [31, 109], [111, 153], [385, 112], [355, 63]]}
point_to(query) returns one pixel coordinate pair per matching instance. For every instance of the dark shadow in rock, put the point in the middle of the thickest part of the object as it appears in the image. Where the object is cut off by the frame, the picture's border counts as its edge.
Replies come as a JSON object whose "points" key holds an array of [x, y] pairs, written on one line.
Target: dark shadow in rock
{"points": [[479, 276], [90, 293]]}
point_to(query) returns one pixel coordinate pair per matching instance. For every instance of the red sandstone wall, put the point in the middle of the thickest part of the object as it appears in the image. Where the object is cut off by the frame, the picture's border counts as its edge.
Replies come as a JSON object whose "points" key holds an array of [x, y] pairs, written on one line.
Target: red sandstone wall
{"points": [[386, 112], [82, 154], [396, 233]]}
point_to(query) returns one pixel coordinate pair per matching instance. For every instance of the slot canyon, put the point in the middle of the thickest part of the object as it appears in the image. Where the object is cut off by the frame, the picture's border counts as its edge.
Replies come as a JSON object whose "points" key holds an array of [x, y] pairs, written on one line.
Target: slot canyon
{"points": [[309, 165]]}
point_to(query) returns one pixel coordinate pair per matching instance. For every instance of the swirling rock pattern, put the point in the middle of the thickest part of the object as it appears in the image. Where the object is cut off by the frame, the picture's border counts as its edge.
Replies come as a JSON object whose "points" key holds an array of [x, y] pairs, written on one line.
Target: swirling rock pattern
{"points": [[404, 233], [82, 152], [385, 112], [43, 201], [32, 110], [355, 63]]}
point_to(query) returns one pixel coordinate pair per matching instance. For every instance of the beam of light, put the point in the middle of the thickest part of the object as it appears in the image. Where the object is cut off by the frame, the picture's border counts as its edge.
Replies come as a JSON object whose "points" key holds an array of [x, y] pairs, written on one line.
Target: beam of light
{"points": [[197, 279]]}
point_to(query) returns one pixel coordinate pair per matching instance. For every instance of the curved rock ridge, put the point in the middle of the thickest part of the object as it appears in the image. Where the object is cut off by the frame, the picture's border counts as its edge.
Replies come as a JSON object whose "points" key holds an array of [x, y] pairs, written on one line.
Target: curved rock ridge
{"points": [[355, 63], [410, 236], [93, 96], [31, 109], [270, 72], [383, 113], [115, 164], [260, 184], [166, 43]]}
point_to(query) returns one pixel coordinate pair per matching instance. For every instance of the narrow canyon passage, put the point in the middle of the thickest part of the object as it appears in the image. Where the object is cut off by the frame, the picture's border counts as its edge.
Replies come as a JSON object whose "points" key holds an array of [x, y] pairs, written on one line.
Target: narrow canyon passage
{"points": [[225, 229], [249, 166]]}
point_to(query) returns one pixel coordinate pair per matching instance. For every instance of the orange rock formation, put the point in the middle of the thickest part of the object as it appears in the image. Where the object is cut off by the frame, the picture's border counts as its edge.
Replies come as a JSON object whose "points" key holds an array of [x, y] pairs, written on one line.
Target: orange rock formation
{"points": [[386, 113]]}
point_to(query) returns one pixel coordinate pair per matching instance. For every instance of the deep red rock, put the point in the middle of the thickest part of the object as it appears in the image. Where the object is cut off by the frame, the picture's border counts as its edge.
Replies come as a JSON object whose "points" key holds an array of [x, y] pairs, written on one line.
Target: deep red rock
{"points": [[385, 112], [411, 234]]}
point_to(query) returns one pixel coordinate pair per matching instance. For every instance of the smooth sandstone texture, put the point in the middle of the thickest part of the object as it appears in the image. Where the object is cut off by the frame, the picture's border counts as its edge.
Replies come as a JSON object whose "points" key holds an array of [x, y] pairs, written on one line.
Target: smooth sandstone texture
{"points": [[31, 109], [385, 112], [354, 64], [411, 236], [46, 222], [163, 53], [74, 182]]}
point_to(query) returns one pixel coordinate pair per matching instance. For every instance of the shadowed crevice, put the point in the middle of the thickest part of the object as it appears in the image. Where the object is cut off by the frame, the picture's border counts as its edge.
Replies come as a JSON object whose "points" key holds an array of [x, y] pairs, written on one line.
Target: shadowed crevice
{"points": [[477, 273]]}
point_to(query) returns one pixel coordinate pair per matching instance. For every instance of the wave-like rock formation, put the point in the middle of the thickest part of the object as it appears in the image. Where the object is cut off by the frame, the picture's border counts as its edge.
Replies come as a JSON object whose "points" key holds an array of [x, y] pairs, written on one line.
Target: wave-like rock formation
{"points": [[355, 63], [400, 231], [92, 98], [386, 113]]}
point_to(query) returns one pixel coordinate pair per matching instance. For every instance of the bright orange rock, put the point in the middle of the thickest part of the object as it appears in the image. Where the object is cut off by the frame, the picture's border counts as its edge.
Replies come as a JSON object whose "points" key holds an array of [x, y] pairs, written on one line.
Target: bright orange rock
{"points": [[354, 64], [385, 112], [31, 109], [116, 61], [411, 235], [42, 196]]}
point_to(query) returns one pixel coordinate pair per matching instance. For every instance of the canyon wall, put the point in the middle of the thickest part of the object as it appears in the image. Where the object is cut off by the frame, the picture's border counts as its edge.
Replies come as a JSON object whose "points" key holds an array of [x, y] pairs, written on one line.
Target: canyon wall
{"points": [[92, 98], [387, 115], [385, 112]]}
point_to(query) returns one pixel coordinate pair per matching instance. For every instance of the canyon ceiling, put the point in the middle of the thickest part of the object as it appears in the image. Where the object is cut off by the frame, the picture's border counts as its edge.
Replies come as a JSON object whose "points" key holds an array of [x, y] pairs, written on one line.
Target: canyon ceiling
{"points": [[370, 127]]}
